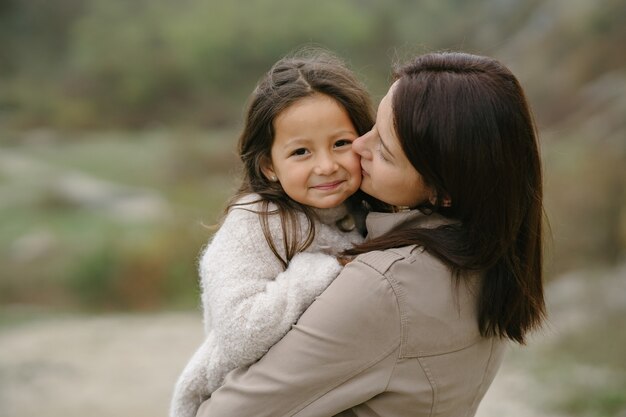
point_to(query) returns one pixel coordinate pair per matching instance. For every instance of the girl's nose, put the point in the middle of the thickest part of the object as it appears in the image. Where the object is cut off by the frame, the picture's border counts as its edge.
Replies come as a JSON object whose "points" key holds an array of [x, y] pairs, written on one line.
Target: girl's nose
{"points": [[326, 165], [361, 145]]}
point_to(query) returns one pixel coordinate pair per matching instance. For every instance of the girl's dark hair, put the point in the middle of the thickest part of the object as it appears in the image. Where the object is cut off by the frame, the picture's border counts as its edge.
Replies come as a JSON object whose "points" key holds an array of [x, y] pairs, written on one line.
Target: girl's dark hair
{"points": [[303, 74], [464, 124]]}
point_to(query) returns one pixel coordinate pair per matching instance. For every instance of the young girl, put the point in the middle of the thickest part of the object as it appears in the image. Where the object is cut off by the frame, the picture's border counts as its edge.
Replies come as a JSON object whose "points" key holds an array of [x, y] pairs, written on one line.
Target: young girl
{"points": [[295, 210]]}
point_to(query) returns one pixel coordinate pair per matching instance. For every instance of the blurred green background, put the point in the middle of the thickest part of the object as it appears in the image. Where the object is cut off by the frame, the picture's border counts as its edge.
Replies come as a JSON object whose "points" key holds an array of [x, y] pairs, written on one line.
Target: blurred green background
{"points": [[118, 122]]}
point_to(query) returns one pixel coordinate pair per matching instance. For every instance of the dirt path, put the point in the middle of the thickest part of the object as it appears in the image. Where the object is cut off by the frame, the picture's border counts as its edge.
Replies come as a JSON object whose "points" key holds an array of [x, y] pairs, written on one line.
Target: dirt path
{"points": [[105, 366], [125, 365]]}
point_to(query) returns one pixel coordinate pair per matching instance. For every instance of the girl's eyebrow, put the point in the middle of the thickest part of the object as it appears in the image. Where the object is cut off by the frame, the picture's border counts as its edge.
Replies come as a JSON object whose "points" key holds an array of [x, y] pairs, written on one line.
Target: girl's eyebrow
{"points": [[345, 132], [296, 142]]}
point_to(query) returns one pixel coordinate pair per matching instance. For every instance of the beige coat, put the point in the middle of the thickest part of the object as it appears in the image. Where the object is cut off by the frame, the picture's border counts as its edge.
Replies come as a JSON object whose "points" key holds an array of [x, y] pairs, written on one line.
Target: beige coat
{"points": [[392, 336]]}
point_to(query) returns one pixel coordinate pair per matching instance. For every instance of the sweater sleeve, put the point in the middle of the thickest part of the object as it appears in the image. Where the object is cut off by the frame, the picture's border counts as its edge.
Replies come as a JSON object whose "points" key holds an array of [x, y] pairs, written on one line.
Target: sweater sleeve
{"points": [[249, 300], [192, 386]]}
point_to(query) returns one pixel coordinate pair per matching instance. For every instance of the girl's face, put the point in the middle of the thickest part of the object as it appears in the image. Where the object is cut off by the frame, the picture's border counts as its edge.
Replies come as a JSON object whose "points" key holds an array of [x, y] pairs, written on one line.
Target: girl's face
{"points": [[387, 173], [312, 155]]}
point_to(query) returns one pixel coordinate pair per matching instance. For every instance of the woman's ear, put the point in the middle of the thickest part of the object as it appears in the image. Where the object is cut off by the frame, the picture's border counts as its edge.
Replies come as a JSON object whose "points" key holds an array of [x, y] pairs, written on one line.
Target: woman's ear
{"points": [[432, 199], [268, 170], [445, 202]]}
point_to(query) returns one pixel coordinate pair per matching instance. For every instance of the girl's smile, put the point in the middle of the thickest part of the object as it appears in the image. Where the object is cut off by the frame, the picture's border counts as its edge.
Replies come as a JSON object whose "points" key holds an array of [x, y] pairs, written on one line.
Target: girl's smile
{"points": [[328, 186]]}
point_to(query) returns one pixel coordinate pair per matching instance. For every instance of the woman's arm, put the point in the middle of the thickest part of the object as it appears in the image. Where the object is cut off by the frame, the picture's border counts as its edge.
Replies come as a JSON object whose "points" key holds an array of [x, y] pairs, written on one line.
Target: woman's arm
{"points": [[340, 353]]}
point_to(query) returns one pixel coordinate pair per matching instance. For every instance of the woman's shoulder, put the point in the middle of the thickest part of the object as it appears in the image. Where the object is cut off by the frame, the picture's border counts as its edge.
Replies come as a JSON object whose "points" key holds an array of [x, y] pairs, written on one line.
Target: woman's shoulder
{"points": [[409, 268], [428, 293], [381, 260], [364, 282], [384, 260]]}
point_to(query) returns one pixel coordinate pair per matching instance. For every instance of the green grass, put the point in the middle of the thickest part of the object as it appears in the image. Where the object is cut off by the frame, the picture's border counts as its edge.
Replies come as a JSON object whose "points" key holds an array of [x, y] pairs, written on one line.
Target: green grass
{"points": [[148, 159], [584, 372], [601, 391], [91, 258], [600, 344], [601, 401]]}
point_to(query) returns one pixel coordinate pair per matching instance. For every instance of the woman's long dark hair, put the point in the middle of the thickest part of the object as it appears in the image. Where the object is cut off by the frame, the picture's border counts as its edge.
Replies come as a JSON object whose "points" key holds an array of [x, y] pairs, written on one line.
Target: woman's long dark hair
{"points": [[305, 73], [464, 123]]}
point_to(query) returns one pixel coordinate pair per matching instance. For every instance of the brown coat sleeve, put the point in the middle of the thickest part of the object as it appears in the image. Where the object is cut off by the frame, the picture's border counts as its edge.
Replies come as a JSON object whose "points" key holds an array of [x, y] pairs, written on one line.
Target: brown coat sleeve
{"points": [[341, 353]]}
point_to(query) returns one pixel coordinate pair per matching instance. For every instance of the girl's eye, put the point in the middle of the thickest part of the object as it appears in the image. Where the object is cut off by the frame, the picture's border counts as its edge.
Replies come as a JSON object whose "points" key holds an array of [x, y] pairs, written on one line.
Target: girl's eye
{"points": [[299, 152], [343, 142]]}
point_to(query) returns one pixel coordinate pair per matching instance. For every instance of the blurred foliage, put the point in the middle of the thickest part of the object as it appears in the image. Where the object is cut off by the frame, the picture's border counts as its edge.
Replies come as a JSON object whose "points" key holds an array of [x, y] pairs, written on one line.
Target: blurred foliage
{"points": [[135, 102], [146, 274], [137, 63], [110, 220]]}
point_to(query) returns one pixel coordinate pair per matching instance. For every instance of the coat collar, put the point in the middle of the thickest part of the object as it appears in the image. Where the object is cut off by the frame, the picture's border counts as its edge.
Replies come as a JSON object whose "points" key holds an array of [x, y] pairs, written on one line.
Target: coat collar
{"points": [[380, 223]]}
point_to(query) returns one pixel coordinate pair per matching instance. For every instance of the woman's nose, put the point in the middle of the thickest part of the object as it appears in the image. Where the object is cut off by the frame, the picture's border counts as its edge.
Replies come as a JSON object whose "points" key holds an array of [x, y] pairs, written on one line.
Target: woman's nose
{"points": [[360, 146]]}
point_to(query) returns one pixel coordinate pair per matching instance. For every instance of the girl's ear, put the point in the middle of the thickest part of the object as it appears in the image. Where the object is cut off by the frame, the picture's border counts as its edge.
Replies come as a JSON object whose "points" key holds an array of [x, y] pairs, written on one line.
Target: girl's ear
{"points": [[268, 170]]}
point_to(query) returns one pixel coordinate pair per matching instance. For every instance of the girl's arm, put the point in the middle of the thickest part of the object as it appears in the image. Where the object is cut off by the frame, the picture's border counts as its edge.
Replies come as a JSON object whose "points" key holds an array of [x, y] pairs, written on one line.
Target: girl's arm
{"points": [[192, 386], [248, 299], [340, 354]]}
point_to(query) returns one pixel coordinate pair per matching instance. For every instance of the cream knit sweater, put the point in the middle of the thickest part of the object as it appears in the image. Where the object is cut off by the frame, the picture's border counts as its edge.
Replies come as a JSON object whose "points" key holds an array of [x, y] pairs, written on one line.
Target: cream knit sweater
{"points": [[249, 301]]}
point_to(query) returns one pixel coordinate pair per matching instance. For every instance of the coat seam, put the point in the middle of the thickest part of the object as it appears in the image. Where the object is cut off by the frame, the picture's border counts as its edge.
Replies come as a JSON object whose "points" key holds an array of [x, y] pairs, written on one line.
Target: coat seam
{"points": [[395, 290], [396, 345], [482, 381], [294, 411], [393, 369], [433, 385], [423, 354], [400, 299]]}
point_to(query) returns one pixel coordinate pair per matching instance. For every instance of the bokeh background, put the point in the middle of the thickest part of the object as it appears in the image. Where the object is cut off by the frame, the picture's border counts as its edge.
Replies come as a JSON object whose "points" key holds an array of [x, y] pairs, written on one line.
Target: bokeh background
{"points": [[118, 123]]}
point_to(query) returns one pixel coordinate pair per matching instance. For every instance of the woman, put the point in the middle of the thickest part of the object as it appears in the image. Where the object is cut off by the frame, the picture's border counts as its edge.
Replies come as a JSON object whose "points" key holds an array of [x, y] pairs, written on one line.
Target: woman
{"points": [[416, 324]]}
